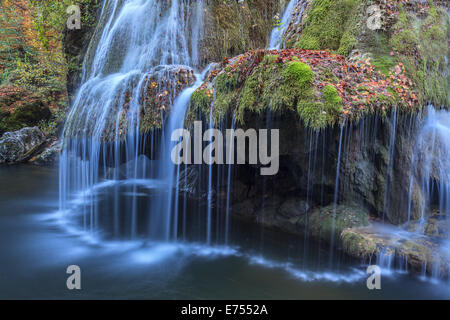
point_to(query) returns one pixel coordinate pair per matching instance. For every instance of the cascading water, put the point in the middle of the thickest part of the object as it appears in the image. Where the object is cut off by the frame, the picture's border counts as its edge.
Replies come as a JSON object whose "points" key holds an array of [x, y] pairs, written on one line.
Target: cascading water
{"points": [[138, 44], [431, 162], [276, 37]]}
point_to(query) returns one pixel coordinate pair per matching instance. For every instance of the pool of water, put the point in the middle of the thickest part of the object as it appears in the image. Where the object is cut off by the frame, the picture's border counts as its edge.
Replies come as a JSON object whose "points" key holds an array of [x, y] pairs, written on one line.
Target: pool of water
{"points": [[37, 246]]}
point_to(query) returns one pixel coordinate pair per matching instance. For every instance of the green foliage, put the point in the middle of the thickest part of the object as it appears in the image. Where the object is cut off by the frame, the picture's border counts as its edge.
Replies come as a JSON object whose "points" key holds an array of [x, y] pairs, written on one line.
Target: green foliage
{"points": [[13, 45], [51, 17], [42, 77], [20, 108], [50, 126], [348, 42], [32, 58]]}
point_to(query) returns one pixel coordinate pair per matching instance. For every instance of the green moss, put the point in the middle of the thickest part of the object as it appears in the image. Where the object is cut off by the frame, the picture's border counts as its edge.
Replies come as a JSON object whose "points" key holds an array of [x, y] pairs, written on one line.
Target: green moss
{"points": [[312, 113], [332, 97], [299, 74], [357, 245], [250, 93], [226, 81], [324, 222], [30, 114], [405, 41], [310, 42], [272, 84], [348, 43], [423, 46], [201, 99], [320, 114], [384, 63], [20, 108], [276, 86], [326, 24]]}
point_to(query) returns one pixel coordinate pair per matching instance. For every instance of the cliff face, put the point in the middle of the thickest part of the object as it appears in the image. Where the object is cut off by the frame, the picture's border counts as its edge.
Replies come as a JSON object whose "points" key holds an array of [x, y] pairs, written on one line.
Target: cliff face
{"points": [[233, 27]]}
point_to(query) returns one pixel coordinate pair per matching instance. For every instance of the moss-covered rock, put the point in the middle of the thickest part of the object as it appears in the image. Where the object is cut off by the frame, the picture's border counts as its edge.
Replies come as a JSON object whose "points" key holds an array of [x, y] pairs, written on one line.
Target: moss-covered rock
{"points": [[411, 34], [357, 245], [159, 89], [325, 222], [421, 44], [19, 146], [323, 88], [326, 24]]}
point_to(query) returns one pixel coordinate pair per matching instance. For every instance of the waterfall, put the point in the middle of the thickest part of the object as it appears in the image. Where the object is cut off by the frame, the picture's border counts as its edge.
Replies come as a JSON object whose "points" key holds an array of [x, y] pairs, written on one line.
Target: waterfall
{"points": [[164, 220], [276, 37], [431, 161], [292, 16], [138, 44], [336, 194], [390, 168]]}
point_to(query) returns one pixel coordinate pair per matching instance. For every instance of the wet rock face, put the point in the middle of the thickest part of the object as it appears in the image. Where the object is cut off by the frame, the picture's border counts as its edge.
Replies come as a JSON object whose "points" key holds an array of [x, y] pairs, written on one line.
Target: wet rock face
{"points": [[233, 27], [20, 145], [374, 171], [162, 89]]}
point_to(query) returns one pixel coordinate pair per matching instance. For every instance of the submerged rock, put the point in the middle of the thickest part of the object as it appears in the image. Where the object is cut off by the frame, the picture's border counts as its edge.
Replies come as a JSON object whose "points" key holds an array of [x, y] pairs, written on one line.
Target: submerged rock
{"points": [[325, 222], [19, 146], [394, 247]]}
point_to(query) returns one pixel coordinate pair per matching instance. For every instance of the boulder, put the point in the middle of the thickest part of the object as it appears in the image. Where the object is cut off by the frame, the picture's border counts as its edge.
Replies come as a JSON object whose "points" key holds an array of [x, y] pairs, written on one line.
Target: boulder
{"points": [[324, 222], [19, 146], [293, 208], [49, 156]]}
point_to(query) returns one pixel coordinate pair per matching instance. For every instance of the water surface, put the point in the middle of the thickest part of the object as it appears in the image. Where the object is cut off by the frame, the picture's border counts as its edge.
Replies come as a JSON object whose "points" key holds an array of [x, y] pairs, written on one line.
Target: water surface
{"points": [[36, 248]]}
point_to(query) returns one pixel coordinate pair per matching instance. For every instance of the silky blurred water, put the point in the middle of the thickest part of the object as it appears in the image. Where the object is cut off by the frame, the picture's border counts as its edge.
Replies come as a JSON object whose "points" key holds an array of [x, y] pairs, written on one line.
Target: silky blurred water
{"points": [[36, 248]]}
